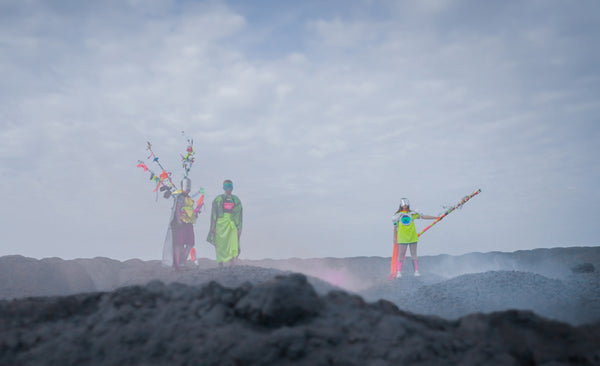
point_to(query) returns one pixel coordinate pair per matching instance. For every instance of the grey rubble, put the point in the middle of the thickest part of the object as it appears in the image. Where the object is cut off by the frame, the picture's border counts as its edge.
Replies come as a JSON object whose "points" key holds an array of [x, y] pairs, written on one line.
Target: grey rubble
{"points": [[282, 320], [559, 283]]}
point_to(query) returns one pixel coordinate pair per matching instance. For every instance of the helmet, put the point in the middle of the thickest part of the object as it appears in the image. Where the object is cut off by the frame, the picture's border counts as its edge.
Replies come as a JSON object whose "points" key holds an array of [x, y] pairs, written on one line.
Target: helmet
{"points": [[186, 184], [404, 202]]}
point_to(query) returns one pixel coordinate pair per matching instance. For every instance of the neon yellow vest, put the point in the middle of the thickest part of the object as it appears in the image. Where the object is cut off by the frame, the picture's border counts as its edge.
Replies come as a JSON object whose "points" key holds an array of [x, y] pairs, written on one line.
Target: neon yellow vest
{"points": [[407, 232]]}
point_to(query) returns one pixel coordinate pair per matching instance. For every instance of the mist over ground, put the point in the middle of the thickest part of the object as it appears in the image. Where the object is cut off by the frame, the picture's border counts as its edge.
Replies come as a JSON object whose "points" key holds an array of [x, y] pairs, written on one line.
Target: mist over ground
{"points": [[541, 280], [521, 308]]}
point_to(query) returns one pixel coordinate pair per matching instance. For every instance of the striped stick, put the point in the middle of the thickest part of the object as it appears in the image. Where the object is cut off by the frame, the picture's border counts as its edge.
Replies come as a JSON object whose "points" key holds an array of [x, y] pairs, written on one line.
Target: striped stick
{"points": [[458, 205]]}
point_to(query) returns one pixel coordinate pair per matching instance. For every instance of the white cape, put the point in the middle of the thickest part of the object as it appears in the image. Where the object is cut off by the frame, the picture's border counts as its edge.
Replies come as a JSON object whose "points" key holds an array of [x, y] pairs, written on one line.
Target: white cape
{"points": [[167, 257]]}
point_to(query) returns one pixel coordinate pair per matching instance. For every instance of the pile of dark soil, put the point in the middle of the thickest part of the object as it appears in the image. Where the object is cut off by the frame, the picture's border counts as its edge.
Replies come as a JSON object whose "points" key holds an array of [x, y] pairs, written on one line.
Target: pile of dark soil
{"points": [[281, 320]]}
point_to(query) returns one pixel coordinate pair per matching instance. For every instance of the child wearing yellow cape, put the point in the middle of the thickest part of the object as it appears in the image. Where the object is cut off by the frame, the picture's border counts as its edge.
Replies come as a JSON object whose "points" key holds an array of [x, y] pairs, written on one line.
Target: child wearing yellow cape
{"points": [[405, 235]]}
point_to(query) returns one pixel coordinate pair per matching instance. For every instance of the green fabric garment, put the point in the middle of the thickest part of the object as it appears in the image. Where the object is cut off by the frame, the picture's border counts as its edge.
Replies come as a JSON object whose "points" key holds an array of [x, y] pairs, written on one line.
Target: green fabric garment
{"points": [[407, 232], [226, 238], [225, 226]]}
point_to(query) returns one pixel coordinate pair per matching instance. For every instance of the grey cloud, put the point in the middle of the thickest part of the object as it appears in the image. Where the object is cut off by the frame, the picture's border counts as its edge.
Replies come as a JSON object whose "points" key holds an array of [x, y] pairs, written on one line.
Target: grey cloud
{"points": [[321, 137]]}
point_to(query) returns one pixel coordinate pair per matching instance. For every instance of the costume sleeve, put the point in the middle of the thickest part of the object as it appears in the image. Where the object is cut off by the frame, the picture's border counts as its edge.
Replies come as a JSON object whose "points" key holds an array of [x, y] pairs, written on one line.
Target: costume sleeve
{"points": [[237, 213], [211, 237], [214, 213], [239, 226]]}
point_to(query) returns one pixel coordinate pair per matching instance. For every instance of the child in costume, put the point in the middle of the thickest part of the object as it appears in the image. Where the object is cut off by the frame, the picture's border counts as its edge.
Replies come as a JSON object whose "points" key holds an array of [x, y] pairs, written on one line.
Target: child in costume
{"points": [[226, 225], [405, 235]]}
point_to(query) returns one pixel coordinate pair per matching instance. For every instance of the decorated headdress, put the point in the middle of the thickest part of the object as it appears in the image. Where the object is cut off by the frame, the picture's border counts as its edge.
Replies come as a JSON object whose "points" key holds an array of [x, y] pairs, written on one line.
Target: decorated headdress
{"points": [[163, 181]]}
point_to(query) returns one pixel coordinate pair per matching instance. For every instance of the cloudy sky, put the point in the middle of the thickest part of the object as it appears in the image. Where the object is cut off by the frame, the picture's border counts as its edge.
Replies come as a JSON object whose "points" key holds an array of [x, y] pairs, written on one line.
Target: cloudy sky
{"points": [[323, 113]]}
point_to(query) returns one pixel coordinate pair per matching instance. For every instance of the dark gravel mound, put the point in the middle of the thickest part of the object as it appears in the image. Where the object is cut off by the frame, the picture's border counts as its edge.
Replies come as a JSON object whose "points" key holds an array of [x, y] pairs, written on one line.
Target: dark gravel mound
{"points": [[492, 291], [583, 268], [575, 300], [22, 277], [280, 321], [585, 297], [25, 277], [234, 276], [541, 280], [549, 262], [400, 287]]}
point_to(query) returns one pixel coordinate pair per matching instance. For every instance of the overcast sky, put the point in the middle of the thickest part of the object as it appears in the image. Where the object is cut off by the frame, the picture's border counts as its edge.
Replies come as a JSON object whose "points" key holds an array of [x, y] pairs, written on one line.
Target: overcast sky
{"points": [[323, 113]]}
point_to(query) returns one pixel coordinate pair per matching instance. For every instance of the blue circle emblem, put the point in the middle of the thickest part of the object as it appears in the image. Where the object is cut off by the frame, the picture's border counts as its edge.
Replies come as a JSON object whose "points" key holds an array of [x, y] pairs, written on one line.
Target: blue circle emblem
{"points": [[405, 219]]}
